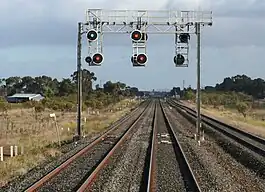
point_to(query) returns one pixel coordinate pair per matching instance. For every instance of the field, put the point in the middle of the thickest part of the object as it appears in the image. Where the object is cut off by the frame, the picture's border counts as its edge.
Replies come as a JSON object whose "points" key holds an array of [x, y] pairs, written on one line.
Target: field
{"points": [[36, 132], [253, 123]]}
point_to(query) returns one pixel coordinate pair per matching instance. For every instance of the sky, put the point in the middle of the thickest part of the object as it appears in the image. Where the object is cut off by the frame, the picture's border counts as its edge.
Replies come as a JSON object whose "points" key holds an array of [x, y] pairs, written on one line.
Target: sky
{"points": [[38, 37]]}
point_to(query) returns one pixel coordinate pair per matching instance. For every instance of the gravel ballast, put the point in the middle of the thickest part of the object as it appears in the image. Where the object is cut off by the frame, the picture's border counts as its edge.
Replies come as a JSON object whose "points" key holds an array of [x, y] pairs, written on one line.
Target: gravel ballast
{"points": [[24, 181], [219, 164], [70, 178], [169, 177], [125, 169]]}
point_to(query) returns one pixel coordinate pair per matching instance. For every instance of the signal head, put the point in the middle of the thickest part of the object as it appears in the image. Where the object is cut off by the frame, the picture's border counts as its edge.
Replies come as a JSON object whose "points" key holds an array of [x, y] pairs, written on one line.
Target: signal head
{"points": [[184, 37], [97, 58], [92, 35], [179, 59], [141, 59], [136, 35]]}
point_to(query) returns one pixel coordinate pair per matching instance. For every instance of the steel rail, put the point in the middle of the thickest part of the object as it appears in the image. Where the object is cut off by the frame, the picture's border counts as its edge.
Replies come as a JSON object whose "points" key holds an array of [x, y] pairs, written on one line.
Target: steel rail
{"points": [[255, 143], [185, 166], [66, 163], [151, 185], [89, 181]]}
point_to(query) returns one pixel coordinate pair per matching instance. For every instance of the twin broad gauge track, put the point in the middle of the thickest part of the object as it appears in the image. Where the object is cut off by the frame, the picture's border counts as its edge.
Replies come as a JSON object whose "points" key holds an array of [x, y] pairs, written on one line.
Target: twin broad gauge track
{"points": [[165, 169]]}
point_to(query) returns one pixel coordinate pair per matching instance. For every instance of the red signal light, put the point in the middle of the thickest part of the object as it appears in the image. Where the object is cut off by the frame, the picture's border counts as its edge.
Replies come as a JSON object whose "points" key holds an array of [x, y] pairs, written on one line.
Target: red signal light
{"points": [[141, 58], [136, 35], [97, 58]]}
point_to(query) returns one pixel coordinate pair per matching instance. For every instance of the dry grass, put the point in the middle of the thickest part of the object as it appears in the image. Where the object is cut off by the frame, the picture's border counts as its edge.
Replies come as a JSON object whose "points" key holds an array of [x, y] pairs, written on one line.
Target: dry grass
{"points": [[23, 128], [253, 123]]}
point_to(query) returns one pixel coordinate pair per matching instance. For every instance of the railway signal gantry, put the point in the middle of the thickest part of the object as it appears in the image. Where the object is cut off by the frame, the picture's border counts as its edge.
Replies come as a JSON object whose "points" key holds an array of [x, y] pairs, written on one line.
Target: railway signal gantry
{"points": [[139, 24]]}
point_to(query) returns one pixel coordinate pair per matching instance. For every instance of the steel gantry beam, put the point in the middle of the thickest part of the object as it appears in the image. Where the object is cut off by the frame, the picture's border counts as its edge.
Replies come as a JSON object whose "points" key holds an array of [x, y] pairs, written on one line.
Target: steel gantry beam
{"points": [[180, 23], [155, 21]]}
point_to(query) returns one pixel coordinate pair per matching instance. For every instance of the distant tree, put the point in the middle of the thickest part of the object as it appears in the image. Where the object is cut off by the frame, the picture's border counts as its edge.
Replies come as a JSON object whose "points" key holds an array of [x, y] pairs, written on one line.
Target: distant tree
{"points": [[175, 90], [110, 87], [97, 87], [66, 87], [134, 90], [189, 95], [244, 84], [87, 80]]}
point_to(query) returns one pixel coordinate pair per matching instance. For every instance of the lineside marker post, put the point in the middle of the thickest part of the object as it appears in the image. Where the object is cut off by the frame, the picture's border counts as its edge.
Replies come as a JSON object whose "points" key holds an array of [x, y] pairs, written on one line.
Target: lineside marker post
{"points": [[1, 153]]}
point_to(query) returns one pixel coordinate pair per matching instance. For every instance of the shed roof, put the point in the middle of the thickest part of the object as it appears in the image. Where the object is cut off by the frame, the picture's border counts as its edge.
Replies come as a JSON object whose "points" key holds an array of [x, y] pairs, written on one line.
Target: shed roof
{"points": [[23, 95]]}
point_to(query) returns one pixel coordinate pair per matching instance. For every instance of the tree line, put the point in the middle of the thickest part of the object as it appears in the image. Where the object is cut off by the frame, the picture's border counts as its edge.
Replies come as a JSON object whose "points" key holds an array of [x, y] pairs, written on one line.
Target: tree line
{"points": [[61, 94], [52, 87], [239, 84], [239, 92]]}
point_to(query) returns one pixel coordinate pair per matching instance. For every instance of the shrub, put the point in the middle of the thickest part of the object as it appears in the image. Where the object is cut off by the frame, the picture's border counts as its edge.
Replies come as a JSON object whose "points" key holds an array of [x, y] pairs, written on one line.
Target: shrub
{"points": [[242, 108]]}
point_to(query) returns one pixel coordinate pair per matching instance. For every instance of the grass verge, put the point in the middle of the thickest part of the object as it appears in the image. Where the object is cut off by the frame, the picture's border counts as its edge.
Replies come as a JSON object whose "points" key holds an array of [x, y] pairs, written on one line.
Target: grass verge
{"points": [[37, 134], [253, 123]]}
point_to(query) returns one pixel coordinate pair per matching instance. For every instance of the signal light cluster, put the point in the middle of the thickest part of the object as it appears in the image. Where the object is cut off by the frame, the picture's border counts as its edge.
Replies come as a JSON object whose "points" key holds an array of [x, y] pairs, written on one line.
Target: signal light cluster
{"points": [[137, 59], [179, 59], [137, 37], [97, 58]]}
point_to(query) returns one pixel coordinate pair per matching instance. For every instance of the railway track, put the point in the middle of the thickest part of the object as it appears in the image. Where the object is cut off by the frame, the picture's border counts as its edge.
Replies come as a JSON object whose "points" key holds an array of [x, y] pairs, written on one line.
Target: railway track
{"points": [[120, 170], [120, 159], [70, 175], [219, 163], [250, 141], [169, 169]]}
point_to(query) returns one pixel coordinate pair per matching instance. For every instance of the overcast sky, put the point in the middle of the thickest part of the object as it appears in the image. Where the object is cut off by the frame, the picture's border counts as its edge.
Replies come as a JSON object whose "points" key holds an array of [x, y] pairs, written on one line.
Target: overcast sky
{"points": [[38, 37]]}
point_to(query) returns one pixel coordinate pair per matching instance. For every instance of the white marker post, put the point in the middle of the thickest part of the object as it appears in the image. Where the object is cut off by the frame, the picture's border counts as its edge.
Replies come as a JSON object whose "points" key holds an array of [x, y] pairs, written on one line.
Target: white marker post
{"points": [[11, 151], [52, 115], [1, 153], [16, 151]]}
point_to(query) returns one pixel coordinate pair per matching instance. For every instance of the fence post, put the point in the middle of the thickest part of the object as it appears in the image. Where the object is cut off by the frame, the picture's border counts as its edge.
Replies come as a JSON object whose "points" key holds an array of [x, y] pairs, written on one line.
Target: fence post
{"points": [[11, 151], [16, 152], [22, 150], [1, 153]]}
